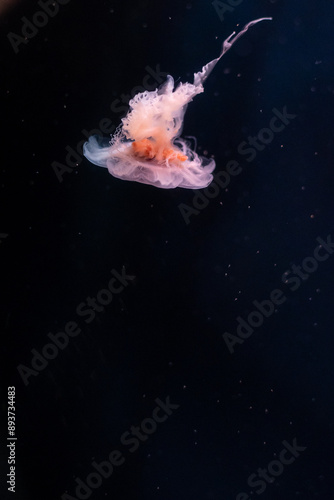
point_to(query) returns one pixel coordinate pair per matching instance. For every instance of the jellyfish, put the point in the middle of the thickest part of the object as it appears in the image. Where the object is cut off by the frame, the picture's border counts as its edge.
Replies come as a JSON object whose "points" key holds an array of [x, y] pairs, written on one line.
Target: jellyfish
{"points": [[147, 148]]}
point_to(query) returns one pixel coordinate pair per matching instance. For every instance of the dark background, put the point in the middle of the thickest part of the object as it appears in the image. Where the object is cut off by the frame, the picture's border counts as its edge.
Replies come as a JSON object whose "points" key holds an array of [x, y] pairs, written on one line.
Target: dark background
{"points": [[163, 335]]}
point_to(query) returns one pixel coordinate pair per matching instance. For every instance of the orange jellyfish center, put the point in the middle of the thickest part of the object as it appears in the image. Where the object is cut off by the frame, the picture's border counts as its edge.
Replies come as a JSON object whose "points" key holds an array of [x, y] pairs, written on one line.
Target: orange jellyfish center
{"points": [[148, 149]]}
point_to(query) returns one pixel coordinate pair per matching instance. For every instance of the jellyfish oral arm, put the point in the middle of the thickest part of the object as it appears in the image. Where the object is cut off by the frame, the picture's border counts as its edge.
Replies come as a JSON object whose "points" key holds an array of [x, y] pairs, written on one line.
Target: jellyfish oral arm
{"points": [[201, 76]]}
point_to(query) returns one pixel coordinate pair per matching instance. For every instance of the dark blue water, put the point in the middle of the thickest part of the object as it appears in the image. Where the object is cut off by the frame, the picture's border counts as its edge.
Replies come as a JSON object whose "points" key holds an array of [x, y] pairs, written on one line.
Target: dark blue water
{"points": [[168, 344]]}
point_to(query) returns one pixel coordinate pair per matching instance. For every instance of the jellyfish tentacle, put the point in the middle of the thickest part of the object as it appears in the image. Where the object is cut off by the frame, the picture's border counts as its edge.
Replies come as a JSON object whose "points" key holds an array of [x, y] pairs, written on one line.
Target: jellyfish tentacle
{"points": [[201, 76]]}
